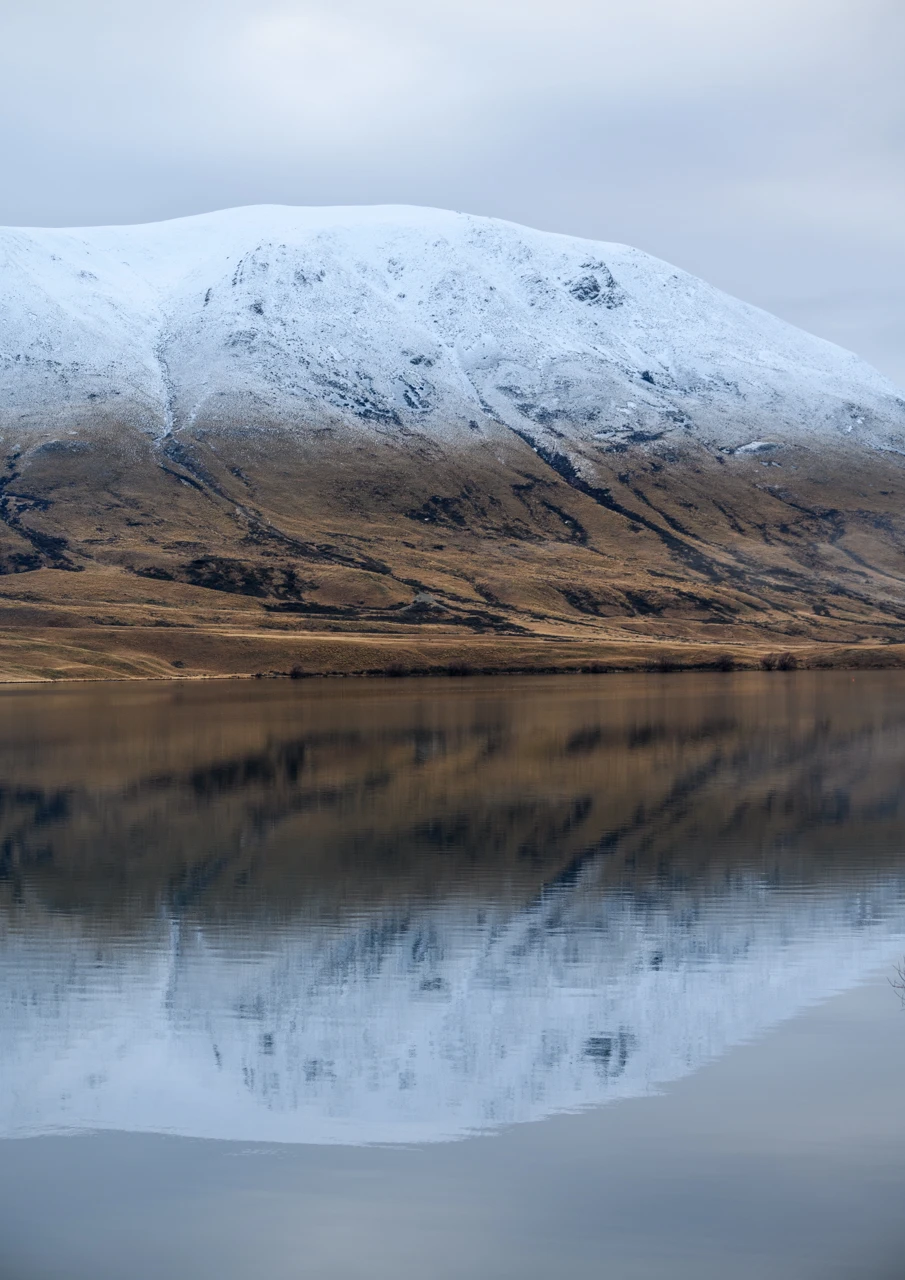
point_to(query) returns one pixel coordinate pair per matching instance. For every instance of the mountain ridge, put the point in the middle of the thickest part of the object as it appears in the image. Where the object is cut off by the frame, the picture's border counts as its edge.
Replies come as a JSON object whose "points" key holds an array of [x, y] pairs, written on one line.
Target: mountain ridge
{"points": [[275, 414], [142, 278]]}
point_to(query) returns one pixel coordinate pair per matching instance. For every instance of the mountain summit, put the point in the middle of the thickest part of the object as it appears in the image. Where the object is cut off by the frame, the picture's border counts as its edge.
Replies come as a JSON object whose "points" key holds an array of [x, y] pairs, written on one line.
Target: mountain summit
{"points": [[407, 320], [384, 420]]}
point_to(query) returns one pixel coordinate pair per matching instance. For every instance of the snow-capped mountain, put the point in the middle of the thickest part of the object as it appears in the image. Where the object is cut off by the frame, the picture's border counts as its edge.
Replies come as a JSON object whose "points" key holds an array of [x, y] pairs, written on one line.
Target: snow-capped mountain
{"points": [[394, 417], [425, 1023], [403, 319]]}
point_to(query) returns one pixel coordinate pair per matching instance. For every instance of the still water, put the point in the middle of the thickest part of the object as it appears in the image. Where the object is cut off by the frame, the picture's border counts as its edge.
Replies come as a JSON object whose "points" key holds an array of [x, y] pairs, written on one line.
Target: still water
{"points": [[491, 978]]}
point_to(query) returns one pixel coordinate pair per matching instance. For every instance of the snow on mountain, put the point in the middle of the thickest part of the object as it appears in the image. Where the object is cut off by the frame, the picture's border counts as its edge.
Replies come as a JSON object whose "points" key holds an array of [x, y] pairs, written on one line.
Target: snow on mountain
{"points": [[397, 320], [423, 1023]]}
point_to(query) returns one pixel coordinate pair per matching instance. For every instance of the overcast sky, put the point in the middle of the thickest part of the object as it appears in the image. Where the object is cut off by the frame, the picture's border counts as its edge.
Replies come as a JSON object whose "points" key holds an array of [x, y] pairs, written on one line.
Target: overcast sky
{"points": [[757, 143]]}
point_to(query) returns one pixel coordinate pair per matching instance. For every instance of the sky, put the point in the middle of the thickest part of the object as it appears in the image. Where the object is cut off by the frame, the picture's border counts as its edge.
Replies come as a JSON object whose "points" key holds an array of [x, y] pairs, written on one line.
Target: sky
{"points": [[757, 143]]}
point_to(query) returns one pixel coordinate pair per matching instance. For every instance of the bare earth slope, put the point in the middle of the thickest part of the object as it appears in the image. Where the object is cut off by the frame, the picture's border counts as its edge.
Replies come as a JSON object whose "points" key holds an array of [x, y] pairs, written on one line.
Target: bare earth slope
{"points": [[347, 438]]}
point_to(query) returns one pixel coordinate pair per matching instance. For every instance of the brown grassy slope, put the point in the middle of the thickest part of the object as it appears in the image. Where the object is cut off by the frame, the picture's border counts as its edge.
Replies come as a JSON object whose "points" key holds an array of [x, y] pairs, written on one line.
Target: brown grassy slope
{"points": [[232, 552]]}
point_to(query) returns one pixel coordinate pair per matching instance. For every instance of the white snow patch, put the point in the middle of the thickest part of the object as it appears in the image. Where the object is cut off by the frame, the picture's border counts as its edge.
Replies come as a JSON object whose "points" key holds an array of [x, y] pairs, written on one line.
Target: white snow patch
{"points": [[207, 319]]}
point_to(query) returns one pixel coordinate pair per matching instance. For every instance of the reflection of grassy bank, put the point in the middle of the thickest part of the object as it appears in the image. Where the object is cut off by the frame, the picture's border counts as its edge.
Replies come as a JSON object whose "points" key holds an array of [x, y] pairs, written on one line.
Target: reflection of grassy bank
{"points": [[42, 653], [268, 795]]}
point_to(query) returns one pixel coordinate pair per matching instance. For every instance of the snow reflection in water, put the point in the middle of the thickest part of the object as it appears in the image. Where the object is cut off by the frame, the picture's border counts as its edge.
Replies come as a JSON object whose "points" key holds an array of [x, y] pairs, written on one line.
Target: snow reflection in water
{"points": [[430, 1015]]}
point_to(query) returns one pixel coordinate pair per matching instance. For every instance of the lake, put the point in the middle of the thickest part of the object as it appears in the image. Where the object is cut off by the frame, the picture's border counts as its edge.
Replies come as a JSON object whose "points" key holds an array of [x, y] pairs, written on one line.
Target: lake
{"points": [[493, 978]]}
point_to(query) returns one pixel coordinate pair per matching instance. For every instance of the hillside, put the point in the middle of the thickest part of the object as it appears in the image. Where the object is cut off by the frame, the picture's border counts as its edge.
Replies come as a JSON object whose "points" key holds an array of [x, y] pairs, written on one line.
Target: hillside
{"points": [[273, 437]]}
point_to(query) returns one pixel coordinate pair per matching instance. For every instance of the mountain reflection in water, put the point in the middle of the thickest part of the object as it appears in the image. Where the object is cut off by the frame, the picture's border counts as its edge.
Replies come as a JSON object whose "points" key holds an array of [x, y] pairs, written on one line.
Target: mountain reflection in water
{"points": [[345, 912]]}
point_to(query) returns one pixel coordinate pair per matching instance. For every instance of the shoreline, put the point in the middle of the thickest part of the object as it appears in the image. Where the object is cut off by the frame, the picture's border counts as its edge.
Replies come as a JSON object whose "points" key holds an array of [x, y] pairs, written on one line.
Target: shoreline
{"points": [[77, 655]]}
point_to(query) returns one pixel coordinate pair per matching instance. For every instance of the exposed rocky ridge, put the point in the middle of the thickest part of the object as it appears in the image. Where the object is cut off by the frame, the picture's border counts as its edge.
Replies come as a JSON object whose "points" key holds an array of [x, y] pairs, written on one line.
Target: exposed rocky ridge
{"points": [[294, 420]]}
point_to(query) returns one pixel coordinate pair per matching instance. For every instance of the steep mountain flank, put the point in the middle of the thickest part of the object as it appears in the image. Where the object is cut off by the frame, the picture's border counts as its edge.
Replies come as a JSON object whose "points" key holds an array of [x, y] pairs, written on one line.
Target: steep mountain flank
{"points": [[269, 424]]}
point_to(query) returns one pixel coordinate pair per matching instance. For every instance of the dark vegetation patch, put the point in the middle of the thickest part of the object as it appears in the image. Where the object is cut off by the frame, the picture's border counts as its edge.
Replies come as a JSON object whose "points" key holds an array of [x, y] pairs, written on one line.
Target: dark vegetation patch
{"points": [[235, 577], [645, 604], [641, 736], [780, 662], [267, 537], [729, 516], [155, 572], [708, 604], [574, 528], [420, 612], [314, 608], [719, 662], [48, 551], [596, 604], [439, 510]]}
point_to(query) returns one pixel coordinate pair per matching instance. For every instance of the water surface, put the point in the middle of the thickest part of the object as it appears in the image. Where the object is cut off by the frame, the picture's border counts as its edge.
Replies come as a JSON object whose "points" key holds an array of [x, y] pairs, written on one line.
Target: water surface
{"points": [[491, 977]]}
